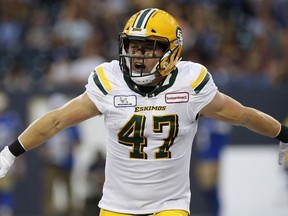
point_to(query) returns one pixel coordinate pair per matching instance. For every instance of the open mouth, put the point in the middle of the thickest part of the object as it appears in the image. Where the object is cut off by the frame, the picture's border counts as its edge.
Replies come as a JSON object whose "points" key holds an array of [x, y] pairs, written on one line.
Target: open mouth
{"points": [[139, 66]]}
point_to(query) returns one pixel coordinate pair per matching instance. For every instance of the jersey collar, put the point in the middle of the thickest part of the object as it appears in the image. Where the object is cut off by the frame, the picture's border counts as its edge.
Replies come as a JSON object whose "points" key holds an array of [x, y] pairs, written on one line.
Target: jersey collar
{"points": [[168, 82]]}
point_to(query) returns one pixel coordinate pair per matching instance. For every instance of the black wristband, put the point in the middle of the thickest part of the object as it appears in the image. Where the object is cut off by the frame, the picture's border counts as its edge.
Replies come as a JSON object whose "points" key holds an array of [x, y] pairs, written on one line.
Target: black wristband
{"points": [[283, 134], [16, 148]]}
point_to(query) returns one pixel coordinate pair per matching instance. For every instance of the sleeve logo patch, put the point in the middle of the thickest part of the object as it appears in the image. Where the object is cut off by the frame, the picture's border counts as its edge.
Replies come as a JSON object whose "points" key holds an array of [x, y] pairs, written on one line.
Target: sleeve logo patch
{"points": [[177, 97], [125, 101]]}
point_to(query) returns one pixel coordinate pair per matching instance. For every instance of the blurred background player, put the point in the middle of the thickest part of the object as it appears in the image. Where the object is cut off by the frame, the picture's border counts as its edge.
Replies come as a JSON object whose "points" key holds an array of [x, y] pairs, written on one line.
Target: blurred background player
{"points": [[58, 155], [10, 126], [211, 139]]}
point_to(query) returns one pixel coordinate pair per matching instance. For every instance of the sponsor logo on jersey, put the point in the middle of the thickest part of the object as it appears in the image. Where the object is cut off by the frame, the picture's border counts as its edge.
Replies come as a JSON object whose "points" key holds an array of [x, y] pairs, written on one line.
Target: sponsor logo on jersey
{"points": [[177, 97], [150, 108], [125, 101]]}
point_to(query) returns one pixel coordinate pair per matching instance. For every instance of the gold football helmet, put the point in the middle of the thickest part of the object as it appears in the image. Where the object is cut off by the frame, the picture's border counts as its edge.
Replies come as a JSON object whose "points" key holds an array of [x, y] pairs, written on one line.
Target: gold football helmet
{"points": [[155, 25]]}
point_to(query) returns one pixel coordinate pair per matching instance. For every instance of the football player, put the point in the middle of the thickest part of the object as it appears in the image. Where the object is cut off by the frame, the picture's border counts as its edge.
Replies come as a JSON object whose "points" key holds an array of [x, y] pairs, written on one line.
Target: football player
{"points": [[151, 101]]}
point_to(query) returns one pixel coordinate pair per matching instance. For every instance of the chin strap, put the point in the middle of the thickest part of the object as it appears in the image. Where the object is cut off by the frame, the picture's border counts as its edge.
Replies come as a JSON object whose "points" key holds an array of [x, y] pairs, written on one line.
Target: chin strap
{"points": [[144, 80]]}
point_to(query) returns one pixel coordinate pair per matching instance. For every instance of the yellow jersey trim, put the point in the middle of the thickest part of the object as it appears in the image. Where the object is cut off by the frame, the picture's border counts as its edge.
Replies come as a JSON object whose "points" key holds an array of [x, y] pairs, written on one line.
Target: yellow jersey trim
{"points": [[103, 79]]}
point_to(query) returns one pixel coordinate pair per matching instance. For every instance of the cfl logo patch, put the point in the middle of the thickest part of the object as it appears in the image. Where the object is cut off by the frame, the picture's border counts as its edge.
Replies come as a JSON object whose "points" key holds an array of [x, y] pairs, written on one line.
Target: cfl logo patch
{"points": [[125, 101]]}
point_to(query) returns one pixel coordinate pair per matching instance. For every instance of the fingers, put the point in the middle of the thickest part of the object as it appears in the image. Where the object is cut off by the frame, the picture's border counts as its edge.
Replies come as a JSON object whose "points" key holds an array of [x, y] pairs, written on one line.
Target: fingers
{"points": [[281, 158]]}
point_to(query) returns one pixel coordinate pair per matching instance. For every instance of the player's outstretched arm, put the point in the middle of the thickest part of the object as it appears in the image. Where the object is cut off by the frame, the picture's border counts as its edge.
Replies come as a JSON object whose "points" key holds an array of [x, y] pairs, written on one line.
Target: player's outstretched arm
{"points": [[77, 110], [225, 108]]}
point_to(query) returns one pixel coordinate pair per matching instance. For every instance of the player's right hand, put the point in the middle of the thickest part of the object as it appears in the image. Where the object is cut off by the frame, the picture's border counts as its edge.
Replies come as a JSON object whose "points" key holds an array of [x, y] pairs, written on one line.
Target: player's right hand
{"points": [[6, 161]]}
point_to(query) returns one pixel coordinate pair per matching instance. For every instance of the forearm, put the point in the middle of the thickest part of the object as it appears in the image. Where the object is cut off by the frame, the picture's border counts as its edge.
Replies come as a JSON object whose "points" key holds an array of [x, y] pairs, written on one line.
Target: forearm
{"points": [[77, 110], [40, 130], [227, 109], [232, 112], [260, 122]]}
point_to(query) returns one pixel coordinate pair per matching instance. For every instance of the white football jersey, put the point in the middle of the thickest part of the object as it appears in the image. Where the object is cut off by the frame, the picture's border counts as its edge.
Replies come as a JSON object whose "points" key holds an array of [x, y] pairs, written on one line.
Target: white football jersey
{"points": [[149, 136]]}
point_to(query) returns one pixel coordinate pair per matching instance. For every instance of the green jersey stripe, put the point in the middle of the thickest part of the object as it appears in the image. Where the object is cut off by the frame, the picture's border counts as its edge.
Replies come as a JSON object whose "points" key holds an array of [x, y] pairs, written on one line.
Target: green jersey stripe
{"points": [[202, 84], [98, 83]]}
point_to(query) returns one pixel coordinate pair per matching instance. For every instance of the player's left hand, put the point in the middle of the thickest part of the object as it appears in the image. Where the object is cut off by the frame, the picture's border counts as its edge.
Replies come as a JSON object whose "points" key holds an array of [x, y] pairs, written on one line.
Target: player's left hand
{"points": [[6, 161], [283, 148]]}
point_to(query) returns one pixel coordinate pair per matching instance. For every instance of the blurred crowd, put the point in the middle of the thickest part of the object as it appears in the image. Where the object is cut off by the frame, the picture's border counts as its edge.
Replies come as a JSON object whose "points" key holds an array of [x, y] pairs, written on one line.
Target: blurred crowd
{"points": [[55, 44]]}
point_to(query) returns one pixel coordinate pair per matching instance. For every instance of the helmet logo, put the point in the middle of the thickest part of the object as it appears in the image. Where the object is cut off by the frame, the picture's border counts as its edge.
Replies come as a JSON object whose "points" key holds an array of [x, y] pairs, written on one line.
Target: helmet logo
{"points": [[179, 36]]}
